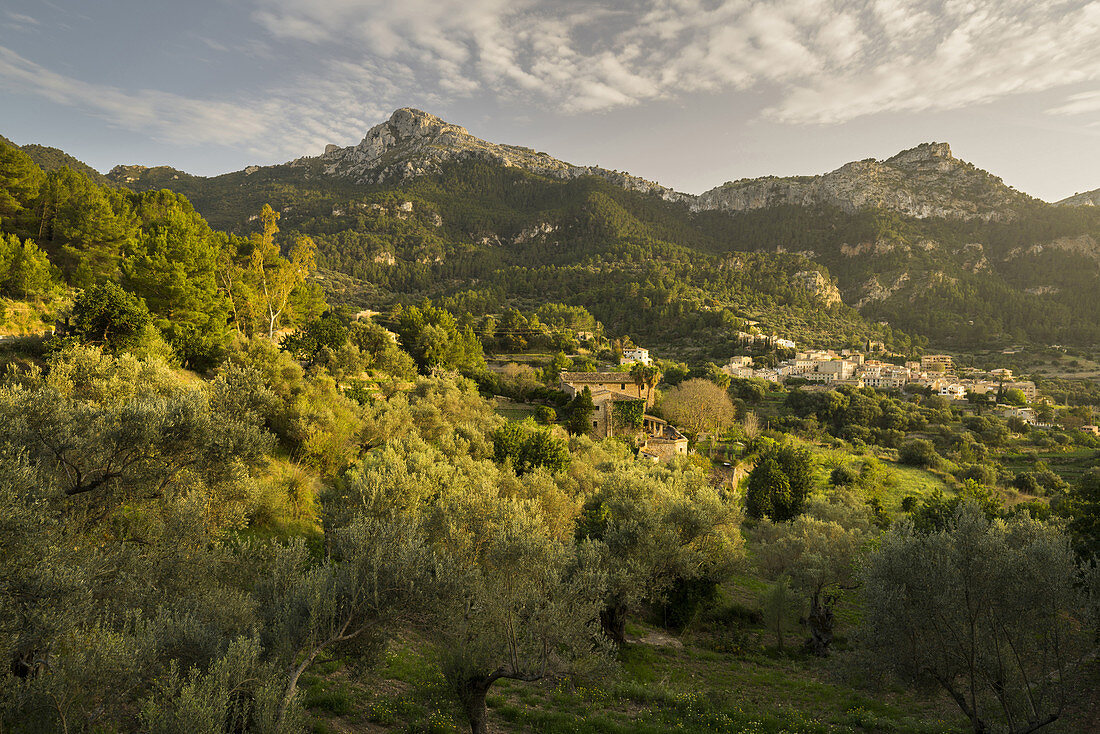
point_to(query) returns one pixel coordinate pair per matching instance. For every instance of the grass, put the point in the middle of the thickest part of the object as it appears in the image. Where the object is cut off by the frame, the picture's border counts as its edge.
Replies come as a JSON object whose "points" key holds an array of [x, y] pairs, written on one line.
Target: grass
{"points": [[1069, 464], [514, 411], [723, 674], [910, 481], [690, 682], [27, 318], [902, 480], [656, 689]]}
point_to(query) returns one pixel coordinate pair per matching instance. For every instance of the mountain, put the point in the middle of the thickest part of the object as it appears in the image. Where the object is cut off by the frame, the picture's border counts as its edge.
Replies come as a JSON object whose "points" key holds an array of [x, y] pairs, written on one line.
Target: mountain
{"points": [[50, 159], [144, 178], [1089, 198], [414, 143], [929, 245], [923, 182]]}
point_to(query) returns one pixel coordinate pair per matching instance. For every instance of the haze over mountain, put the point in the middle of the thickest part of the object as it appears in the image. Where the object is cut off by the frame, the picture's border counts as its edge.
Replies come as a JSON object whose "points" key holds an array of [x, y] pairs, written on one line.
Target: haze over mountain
{"points": [[925, 181]]}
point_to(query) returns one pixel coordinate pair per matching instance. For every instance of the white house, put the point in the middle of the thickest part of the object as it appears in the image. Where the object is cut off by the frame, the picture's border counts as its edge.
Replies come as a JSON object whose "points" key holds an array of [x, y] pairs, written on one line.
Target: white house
{"points": [[636, 354]]}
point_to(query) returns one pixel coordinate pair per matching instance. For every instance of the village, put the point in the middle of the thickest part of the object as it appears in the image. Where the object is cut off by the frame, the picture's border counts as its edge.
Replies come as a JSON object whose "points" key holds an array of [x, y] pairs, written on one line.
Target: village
{"points": [[810, 370]]}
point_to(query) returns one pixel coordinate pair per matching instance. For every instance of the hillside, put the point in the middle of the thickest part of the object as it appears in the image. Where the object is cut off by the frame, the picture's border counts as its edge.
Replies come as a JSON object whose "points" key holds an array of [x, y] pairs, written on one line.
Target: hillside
{"points": [[922, 241], [50, 159], [923, 182], [1088, 198]]}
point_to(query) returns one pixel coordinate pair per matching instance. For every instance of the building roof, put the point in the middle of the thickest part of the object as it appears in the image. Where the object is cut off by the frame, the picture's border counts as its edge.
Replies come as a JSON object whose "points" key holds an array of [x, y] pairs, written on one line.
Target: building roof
{"points": [[596, 377]]}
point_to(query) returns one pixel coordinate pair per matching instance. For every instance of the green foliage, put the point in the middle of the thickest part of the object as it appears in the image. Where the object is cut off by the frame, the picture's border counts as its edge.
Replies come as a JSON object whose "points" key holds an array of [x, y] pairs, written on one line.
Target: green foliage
{"points": [[990, 613], [20, 182], [918, 452], [172, 265], [239, 693], [107, 316], [819, 553], [780, 482], [85, 224], [778, 606], [25, 271], [580, 412], [670, 523], [628, 413], [307, 343], [433, 338], [380, 348], [936, 511], [529, 447], [1084, 510]]}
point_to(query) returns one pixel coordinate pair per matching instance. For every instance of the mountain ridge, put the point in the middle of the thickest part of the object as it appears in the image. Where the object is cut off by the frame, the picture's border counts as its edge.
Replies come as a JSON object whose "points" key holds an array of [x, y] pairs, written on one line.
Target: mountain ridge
{"points": [[925, 181], [1086, 198]]}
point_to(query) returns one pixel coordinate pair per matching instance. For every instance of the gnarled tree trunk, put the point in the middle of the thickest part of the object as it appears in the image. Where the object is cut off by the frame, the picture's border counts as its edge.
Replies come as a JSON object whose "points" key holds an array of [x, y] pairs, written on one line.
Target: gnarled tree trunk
{"points": [[471, 693], [613, 621], [821, 623]]}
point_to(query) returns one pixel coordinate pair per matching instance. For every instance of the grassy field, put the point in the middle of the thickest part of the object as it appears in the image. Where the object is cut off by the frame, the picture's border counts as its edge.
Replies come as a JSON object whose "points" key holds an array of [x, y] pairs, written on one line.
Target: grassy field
{"points": [[22, 318], [723, 674], [1068, 464], [694, 683], [514, 411], [901, 481]]}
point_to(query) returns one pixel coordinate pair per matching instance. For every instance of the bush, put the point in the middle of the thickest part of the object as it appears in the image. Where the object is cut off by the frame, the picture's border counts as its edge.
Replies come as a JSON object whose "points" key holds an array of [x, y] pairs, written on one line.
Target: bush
{"points": [[918, 452], [779, 483]]}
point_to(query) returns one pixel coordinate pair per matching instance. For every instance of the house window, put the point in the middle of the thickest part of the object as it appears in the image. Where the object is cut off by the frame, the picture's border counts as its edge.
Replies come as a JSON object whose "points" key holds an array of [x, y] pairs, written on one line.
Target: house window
{"points": [[623, 386], [595, 424]]}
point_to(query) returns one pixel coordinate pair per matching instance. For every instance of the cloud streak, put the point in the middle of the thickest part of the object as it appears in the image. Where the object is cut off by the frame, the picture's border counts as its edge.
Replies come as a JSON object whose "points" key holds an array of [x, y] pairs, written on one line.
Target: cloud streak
{"points": [[828, 61], [268, 124], [817, 61]]}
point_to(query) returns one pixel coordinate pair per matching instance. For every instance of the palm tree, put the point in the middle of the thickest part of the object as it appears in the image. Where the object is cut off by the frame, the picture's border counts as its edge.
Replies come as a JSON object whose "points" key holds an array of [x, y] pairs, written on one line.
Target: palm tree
{"points": [[647, 376]]}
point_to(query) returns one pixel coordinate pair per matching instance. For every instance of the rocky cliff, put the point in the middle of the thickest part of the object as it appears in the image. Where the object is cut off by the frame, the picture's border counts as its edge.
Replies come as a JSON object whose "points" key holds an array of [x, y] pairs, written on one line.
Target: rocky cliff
{"points": [[926, 181], [1089, 198], [414, 143]]}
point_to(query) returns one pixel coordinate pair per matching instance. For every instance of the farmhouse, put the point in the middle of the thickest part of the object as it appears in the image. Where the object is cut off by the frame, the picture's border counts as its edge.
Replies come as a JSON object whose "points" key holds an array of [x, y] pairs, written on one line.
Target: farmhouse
{"points": [[617, 382], [612, 392], [637, 354]]}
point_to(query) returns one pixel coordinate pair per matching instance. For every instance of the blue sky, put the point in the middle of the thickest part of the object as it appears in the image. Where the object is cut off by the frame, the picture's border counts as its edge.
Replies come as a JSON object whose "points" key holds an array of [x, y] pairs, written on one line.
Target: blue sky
{"points": [[691, 93]]}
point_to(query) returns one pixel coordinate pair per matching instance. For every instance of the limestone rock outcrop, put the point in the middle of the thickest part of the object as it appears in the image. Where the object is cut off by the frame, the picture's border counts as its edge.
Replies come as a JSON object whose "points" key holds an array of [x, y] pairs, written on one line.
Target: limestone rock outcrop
{"points": [[414, 143], [818, 286], [1088, 198], [925, 181]]}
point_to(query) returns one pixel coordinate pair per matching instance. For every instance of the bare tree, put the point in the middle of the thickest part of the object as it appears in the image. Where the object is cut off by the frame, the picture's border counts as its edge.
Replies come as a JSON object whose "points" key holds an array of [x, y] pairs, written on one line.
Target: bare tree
{"points": [[698, 406]]}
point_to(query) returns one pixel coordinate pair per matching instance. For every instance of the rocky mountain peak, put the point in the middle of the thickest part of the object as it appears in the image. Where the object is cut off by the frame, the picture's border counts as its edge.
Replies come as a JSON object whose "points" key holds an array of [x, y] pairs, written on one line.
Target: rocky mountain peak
{"points": [[923, 153], [1089, 198], [925, 181], [414, 143], [409, 122]]}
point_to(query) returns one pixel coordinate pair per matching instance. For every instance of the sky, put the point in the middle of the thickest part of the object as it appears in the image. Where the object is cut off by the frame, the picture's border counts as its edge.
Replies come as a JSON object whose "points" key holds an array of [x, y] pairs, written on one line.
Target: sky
{"points": [[691, 93]]}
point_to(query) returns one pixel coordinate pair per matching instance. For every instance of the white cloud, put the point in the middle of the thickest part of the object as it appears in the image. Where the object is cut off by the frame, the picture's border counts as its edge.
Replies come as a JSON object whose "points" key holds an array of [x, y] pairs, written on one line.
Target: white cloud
{"points": [[1078, 104], [300, 117], [828, 60], [21, 18], [821, 61]]}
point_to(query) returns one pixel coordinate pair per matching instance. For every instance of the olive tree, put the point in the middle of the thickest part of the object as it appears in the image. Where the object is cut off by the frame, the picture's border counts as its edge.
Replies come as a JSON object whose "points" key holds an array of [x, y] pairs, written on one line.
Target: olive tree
{"points": [[780, 482], [510, 601], [819, 552], [990, 612], [655, 526], [344, 604]]}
